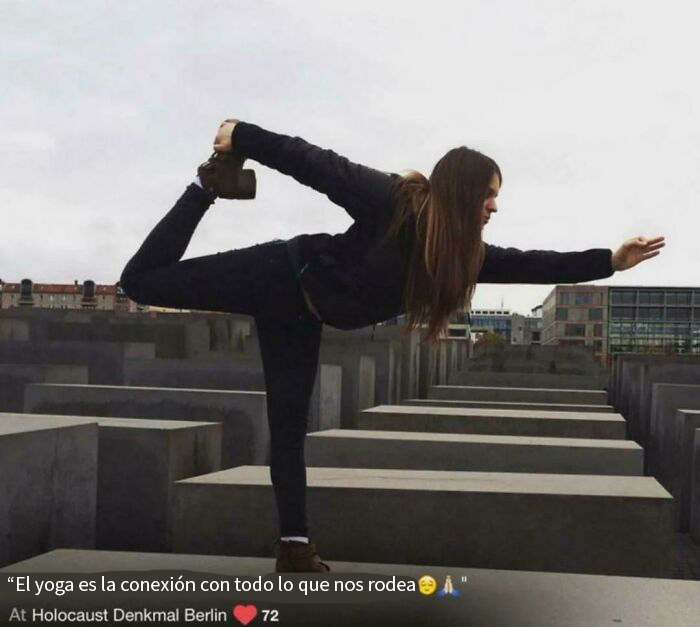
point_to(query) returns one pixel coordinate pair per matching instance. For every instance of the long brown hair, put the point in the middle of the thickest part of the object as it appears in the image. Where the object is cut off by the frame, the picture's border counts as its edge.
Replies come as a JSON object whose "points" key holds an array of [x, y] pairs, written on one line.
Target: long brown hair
{"points": [[440, 218]]}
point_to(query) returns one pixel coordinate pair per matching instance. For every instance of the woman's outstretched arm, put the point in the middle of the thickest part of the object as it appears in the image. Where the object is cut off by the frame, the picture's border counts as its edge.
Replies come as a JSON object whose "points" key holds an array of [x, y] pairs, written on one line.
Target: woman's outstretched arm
{"points": [[511, 265], [359, 189]]}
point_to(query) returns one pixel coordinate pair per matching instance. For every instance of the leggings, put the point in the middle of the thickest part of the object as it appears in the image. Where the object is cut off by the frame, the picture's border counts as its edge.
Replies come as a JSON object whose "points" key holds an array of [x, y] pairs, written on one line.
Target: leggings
{"points": [[258, 281]]}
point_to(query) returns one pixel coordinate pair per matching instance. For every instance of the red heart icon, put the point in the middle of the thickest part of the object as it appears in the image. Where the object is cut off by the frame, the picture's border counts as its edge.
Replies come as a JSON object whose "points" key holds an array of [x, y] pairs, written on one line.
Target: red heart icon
{"points": [[245, 613]]}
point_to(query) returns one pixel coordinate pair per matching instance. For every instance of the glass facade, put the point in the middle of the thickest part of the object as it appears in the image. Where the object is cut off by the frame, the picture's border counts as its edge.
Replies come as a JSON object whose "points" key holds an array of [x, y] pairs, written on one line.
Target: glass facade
{"points": [[575, 330], [500, 326], [595, 314], [654, 321]]}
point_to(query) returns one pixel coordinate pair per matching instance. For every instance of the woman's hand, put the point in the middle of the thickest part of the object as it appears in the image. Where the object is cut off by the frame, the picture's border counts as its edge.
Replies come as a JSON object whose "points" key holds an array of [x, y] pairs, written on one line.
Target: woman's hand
{"points": [[222, 141], [635, 250]]}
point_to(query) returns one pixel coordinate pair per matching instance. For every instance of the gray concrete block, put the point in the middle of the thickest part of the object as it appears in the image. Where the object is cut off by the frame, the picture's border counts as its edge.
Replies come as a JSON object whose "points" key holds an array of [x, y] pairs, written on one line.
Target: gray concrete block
{"points": [[695, 490], [666, 399], [633, 390], [326, 398], [531, 521], [537, 359], [104, 360], [13, 378], [676, 371], [505, 405], [246, 437], [172, 337], [386, 352], [488, 598], [527, 395], [357, 386], [228, 373], [524, 380], [688, 421], [615, 370], [343, 448], [212, 374], [48, 485], [442, 372], [453, 357], [138, 461], [427, 369], [343, 348], [493, 422], [623, 376], [14, 330], [410, 366], [630, 387]]}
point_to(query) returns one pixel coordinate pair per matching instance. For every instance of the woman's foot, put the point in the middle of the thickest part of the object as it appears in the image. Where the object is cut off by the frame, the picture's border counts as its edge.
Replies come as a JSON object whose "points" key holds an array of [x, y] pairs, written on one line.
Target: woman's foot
{"points": [[223, 176], [298, 557]]}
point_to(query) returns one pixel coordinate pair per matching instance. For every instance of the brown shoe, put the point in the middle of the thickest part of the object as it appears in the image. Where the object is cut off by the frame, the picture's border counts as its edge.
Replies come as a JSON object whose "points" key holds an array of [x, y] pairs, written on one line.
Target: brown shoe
{"points": [[298, 557], [223, 176]]}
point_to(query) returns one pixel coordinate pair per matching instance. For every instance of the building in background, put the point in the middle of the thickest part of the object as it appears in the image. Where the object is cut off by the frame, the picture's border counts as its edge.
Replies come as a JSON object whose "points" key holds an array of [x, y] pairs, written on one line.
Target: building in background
{"points": [[511, 327], [527, 330], [576, 315], [654, 320], [498, 321], [86, 295], [625, 319]]}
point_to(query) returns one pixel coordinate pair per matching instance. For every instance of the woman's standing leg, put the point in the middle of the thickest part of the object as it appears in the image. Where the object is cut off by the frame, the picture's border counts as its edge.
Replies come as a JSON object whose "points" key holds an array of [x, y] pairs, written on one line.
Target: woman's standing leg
{"points": [[290, 337], [290, 360], [257, 281]]}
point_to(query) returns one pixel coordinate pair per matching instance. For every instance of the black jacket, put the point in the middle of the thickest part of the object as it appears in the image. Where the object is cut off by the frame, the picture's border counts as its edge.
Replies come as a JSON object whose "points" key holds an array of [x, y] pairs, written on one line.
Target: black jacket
{"points": [[352, 280]]}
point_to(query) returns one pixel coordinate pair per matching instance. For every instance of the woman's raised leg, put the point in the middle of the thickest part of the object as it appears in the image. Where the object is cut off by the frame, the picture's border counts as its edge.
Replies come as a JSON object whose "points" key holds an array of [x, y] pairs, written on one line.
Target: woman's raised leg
{"points": [[219, 282]]}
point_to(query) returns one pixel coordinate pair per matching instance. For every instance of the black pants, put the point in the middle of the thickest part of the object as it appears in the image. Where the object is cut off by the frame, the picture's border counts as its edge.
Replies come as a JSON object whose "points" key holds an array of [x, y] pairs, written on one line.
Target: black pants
{"points": [[258, 281]]}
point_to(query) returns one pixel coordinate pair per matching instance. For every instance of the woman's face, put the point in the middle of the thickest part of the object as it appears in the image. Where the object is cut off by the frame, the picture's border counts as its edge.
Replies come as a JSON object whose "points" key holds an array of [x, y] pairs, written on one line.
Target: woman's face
{"points": [[490, 202]]}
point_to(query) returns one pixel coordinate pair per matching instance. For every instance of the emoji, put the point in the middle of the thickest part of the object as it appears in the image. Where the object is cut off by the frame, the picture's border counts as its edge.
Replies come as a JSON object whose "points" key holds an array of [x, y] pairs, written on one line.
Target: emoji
{"points": [[427, 585], [448, 588], [245, 613]]}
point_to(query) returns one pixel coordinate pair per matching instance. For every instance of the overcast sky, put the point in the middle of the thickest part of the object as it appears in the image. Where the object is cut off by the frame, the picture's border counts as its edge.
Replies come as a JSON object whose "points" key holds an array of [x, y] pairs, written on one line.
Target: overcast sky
{"points": [[590, 108]]}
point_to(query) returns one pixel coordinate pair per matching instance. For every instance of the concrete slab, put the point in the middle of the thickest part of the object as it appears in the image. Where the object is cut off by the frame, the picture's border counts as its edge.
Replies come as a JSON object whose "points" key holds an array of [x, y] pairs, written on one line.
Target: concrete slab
{"points": [[211, 374], [688, 421], [630, 387], [358, 371], [527, 395], [410, 363], [138, 460], [667, 372], [537, 359], [104, 360], [695, 490], [434, 402], [427, 369], [344, 448], [326, 398], [488, 598], [235, 374], [179, 338], [563, 424], [530, 521], [524, 380], [634, 387], [246, 436], [666, 399], [384, 349], [442, 362], [13, 378], [48, 485]]}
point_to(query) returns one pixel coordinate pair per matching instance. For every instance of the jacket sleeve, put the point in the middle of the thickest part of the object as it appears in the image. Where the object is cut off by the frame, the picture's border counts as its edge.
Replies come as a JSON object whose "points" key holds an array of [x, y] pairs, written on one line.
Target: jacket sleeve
{"points": [[510, 265], [359, 189]]}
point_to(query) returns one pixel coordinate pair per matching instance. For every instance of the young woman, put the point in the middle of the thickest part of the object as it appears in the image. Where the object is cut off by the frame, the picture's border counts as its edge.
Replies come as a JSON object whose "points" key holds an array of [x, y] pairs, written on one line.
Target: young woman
{"points": [[415, 248]]}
